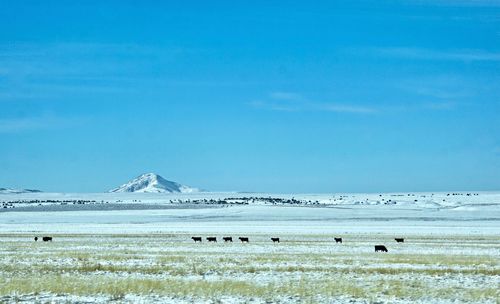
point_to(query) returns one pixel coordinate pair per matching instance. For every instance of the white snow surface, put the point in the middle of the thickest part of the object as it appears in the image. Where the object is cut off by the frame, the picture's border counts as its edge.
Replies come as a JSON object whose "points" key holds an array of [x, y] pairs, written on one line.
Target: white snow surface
{"points": [[405, 213], [449, 254], [153, 183]]}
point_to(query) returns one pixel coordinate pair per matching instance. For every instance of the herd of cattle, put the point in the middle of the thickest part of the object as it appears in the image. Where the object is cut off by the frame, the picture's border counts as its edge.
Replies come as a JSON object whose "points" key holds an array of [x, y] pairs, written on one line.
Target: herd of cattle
{"points": [[213, 239], [44, 238], [229, 239]]}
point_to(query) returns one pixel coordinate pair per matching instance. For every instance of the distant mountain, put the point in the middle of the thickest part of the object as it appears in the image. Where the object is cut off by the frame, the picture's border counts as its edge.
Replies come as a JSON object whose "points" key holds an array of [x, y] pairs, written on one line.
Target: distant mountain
{"points": [[153, 183], [17, 191]]}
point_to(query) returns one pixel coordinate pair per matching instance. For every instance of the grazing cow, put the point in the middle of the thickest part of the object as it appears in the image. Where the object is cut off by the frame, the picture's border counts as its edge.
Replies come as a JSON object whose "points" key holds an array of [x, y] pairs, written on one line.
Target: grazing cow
{"points": [[47, 239], [196, 239], [338, 240], [212, 239], [381, 248], [228, 239], [400, 240], [244, 239], [36, 238], [275, 240]]}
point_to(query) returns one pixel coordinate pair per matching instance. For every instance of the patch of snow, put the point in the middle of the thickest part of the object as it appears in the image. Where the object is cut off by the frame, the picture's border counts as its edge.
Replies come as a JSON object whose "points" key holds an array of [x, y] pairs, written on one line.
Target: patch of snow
{"points": [[153, 183]]}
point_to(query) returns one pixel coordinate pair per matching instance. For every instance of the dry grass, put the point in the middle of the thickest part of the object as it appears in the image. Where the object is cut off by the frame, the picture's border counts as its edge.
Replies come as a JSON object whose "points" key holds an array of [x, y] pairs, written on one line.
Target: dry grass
{"points": [[304, 288], [120, 265]]}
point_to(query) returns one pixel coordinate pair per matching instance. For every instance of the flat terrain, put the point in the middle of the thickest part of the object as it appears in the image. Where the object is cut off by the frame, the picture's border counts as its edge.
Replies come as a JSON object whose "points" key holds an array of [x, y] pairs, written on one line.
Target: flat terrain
{"points": [[138, 248], [302, 268]]}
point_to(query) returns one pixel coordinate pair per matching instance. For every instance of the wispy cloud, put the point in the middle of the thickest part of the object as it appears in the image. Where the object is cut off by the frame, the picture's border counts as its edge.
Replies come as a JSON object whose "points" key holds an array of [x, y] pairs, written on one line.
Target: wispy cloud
{"points": [[51, 70], [294, 102], [432, 54], [88, 50], [17, 125], [44, 70], [442, 92], [285, 96], [25, 124], [342, 108], [496, 150], [457, 3], [277, 105], [445, 105]]}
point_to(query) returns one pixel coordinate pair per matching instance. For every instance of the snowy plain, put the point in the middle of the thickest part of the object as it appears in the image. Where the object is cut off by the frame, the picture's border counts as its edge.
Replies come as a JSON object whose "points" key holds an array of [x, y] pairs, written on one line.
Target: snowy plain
{"points": [[137, 247], [414, 213]]}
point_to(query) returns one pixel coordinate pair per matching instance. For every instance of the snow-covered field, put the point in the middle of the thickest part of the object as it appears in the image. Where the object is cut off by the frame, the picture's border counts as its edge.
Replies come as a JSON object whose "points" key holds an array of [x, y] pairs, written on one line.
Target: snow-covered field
{"points": [[413, 213], [138, 248]]}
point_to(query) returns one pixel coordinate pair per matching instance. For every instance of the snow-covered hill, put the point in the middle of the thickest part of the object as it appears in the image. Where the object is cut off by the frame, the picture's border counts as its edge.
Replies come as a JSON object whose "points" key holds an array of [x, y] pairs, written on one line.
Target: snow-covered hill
{"points": [[153, 183], [17, 191]]}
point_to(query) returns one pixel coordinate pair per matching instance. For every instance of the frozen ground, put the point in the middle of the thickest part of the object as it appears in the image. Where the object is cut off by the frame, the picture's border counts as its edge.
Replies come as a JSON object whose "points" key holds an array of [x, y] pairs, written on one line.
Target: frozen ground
{"points": [[137, 248], [440, 213], [170, 268]]}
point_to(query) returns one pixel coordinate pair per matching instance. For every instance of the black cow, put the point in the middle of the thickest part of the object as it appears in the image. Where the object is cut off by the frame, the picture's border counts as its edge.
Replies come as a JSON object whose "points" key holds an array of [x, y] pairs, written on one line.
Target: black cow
{"points": [[381, 248], [228, 239], [400, 240], [244, 239], [36, 238], [196, 239], [338, 240], [275, 240], [47, 239], [212, 239]]}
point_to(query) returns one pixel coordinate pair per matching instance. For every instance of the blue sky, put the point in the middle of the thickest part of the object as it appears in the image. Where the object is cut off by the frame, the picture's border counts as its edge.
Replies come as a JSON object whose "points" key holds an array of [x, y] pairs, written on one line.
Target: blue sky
{"points": [[333, 96]]}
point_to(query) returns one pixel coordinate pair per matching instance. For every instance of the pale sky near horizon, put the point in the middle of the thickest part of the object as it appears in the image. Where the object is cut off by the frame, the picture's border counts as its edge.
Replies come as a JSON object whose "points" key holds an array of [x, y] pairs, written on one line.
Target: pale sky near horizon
{"points": [[324, 96]]}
